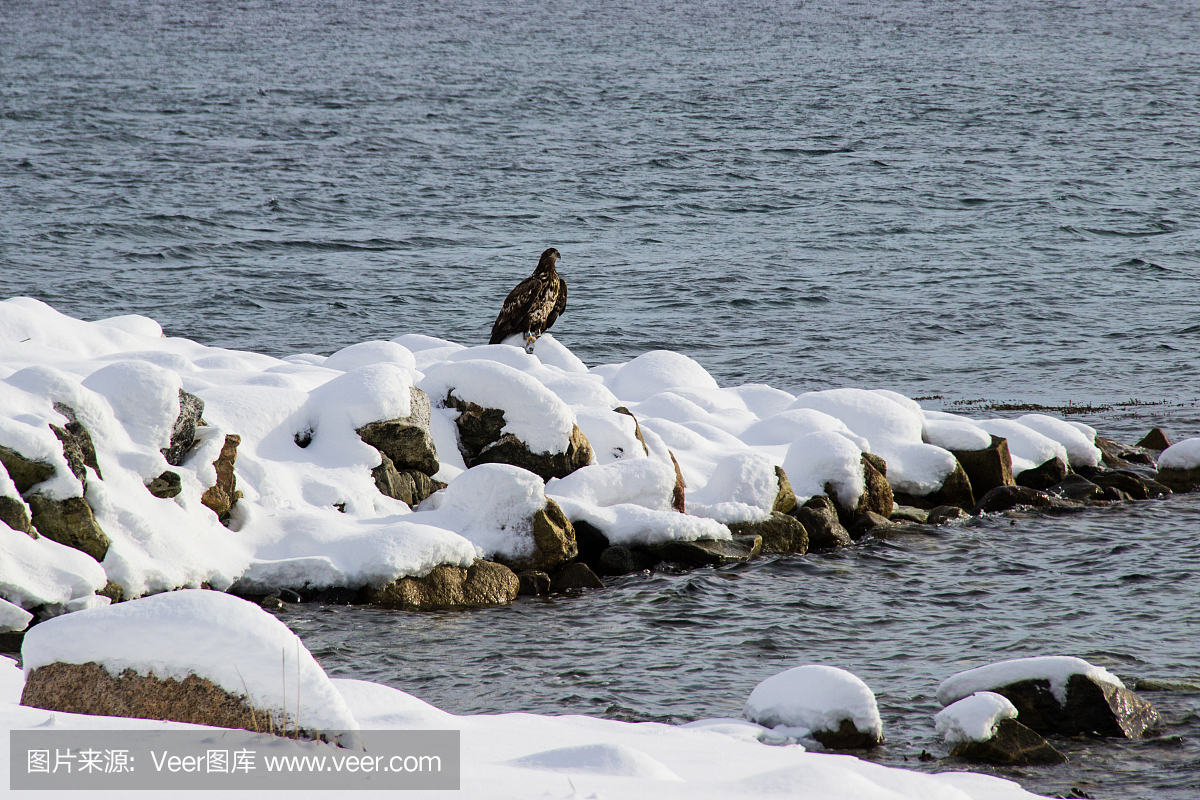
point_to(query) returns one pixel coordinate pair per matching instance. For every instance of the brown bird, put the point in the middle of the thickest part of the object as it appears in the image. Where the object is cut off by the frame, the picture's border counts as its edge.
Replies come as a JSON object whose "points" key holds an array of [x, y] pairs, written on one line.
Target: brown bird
{"points": [[533, 305]]}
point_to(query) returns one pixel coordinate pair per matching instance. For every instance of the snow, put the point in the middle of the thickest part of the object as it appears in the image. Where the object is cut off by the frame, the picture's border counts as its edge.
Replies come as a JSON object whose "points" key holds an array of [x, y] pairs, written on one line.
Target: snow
{"points": [[825, 457], [1055, 669], [35, 572], [1081, 448], [814, 697], [974, 718], [1027, 447], [1181, 455], [13, 617], [743, 487], [602, 758], [657, 371], [786, 427], [956, 435], [366, 353], [231, 642]]}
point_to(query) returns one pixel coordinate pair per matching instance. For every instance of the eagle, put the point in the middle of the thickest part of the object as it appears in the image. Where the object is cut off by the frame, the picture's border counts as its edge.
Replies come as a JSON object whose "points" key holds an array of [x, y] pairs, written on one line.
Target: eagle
{"points": [[533, 305]]}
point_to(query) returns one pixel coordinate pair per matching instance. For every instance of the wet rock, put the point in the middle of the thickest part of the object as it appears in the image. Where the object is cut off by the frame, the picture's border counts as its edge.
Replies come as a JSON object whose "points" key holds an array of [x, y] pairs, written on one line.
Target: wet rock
{"points": [[574, 577], [988, 468], [290, 596], [954, 491], [1045, 475], [708, 552], [25, 473], [1131, 484], [618, 560], [909, 514], [1013, 745], [533, 583], [590, 542], [785, 501], [167, 485], [221, 496], [1004, 498], [637, 429], [406, 441], [1156, 439], [869, 523], [482, 442], [1179, 480], [183, 435], [1092, 708], [14, 515], [847, 737], [944, 514], [1076, 487], [1122, 456], [90, 689], [780, 533], [408, 486], [271, 603], [819, 517], [340, 596], [70, 522], [484, 583]]}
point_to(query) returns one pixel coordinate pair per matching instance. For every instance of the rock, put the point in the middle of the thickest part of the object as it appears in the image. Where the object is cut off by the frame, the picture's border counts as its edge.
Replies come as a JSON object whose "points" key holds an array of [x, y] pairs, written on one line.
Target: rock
{"points": [[81, 439], [909, 514], [785, 501], [847, 737], [484, 583], [678, 500], [574, 577], [409, 446], [70, 522], [943, 514], [637, 429], [1179, 480], [25, 473], [90, 689], [271, 603], [73, 452], [1156, 439], [1013, 744], [183, 435], [221, 496], [340, 596], [590, 541], [1075, 487], [1131, 484], [1004, 498], [482, 442], [113, 591], [954, 491], [780, 533], [1045, 475], [408, 486], [869, 523], [708, 552], [290, 596], [877, 497], [14, 515], [553, 538], [988, 468], [623, 561], [1121, 456], [819, 517], [167, 485], [1092, 708], [533, 583]]}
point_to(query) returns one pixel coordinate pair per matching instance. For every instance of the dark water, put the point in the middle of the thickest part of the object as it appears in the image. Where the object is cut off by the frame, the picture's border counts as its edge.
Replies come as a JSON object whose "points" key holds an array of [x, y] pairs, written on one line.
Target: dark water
{"points": [[972, 201]]}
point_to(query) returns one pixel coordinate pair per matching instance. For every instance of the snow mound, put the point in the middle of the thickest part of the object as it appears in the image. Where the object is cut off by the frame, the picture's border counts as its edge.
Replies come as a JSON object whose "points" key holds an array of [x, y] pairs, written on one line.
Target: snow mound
{"points": [[13, 618], [1081, 448], [1027, 447], [815, 697], [788, 426], [613, 436], [1181, 455], [366, 353], [956, 434], [644, 482], [231, 642], [603, 758], [974, 718], [37, 572], [1055, 669], [658, 371], [627, 524], [145, 398], [825, 457], [742, 488]]}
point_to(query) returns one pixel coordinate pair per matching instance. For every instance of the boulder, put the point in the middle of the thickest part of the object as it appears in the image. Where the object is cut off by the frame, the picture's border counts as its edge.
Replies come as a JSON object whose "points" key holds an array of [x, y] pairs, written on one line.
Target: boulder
{"points": [[618, 560], [637, 429], [113, 591], [1045, 475], [221, 496], [533, 583], [780, 533], [14, 515], [406, 441], [848, 737], [1094, 708], [944, 514], [482, 442], [876, 498], [25, 473], [1156, 439], [1121, 456], [1076, 487], [1131, 483], [708, 552], [77, 449], [785, 501], [408, 486], [1012, 745], [574, 577], [183, 435], [988, 468], [70, 522], [484, 583], [868, 524], [1004, 498], [819, 517], [590, 542], [553, 538], [954, 491], [90, 689], [909, 514], [167, 485], [1179, 480]]}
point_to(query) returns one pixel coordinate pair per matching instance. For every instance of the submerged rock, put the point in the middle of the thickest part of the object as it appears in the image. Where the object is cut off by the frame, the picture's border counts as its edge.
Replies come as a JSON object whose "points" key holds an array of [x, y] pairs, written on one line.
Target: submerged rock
{"points": [[221, 496], [482, 442], [619, 560], [1012, 745], [1076, 487], [988, 468], [484, 583], [70, 522], [944, 514], [708, 552], [1045, 475], [869, 523], [573, 577], [183, 434], [1130, 483], [1004, 498]]}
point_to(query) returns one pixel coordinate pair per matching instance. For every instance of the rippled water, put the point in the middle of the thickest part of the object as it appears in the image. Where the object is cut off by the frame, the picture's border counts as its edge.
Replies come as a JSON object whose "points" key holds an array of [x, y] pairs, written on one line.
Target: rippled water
{"points": [[963, 201]]}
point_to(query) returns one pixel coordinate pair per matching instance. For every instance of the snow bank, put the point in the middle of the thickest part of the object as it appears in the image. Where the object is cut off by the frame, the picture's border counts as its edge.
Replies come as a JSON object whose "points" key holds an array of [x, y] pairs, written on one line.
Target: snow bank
{"points": [[814, 697], [974, 718], [954, 434], [36, 572], [742, 488], [231, 642], [825, 457], [1181, 455], [1055, 669], [657, 371]]}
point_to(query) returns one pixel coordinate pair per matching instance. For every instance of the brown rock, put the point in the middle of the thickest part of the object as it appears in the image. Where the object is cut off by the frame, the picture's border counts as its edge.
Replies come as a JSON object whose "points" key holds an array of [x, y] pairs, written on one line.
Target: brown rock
{"points": [[553, 538], [1131, 483], [847, 737], [708, 552], [1156, 439], [819, 517], [1179, 480], [484, 583], [14, 515], [678, 500], [482, 442], [167, 485], [780, 533], [90, 689], [988, 468], [574, 577], [637, 429], [785, 501], [533, 583], [943, 514], [1004, 498], [221, 496], [70, 522], [113, 591], [408, 486], [25, 473], [1123, 456], [877, 497], [909, 514], [1045, 475], [1013, 744], [867, 524], [406, 441], [1092, 708]]}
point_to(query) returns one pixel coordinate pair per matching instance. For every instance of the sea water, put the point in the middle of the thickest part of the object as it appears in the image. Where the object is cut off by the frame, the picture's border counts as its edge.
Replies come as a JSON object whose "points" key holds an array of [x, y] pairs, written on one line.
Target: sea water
{"points": [[987, 206]]}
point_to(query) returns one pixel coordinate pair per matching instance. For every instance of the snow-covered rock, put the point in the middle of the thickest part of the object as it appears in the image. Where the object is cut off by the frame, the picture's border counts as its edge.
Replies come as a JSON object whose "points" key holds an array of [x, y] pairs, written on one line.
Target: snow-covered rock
{"points": [[833, 705], [973, 718]]}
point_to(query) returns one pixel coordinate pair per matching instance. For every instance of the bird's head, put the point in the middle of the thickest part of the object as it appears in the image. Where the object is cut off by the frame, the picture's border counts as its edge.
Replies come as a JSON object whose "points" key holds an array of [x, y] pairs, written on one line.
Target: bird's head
{"points": [[548, 259]]}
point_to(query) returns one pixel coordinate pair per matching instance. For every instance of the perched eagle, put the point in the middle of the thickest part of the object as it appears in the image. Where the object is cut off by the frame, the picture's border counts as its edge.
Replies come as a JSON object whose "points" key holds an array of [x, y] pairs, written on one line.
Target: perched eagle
{"points": [[533, 306]]}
